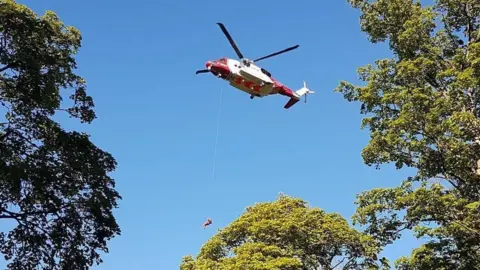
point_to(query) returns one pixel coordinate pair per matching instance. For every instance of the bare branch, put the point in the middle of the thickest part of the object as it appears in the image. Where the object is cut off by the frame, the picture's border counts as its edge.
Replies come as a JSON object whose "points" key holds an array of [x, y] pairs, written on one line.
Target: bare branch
{"points": [[341, 261], [349, 262]]}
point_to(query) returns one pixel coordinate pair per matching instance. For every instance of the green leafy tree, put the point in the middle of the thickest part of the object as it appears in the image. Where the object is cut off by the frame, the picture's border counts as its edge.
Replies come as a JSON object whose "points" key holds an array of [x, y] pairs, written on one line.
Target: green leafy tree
{"points": [[286, 235], [422, 109], [53, 183]]}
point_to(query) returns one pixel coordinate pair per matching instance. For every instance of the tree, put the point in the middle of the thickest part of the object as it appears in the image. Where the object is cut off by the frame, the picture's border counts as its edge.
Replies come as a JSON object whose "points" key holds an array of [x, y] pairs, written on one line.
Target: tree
{"points": [[286, 234], [54, 184], [423, 108]]}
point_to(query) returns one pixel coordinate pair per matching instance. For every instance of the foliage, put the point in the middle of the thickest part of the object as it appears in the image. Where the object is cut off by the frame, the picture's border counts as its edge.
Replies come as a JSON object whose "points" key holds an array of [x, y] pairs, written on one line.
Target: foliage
{"points": [[53, 183], [286, 234], [422, 108]]}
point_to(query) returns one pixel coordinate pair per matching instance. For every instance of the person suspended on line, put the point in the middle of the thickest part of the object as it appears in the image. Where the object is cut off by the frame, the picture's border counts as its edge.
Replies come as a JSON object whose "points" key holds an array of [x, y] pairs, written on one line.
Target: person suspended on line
{"points": [[207, 223]]}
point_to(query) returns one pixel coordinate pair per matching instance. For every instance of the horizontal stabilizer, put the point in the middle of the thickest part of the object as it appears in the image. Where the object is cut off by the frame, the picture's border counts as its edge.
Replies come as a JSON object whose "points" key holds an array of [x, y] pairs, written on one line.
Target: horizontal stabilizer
{"points": [[291, 102]]}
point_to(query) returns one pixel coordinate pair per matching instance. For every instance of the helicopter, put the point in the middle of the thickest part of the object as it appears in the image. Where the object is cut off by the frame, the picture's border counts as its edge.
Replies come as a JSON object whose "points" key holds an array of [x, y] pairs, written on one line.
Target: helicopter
{"points": [[246, 76]]}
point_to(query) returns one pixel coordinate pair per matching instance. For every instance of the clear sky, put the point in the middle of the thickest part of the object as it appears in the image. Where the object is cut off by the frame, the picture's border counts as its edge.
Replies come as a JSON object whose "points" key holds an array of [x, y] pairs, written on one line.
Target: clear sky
{"points": [[159, 120]]}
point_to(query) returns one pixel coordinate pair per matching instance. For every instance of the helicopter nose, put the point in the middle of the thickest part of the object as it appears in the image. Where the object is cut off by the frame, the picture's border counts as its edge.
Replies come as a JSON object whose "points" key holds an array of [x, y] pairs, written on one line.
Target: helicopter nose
{"points": [[208, 64]]}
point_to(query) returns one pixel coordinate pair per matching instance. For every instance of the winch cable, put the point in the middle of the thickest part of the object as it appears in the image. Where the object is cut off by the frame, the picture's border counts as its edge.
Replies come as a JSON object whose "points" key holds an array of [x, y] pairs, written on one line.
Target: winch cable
{"points": [[216, 137]]}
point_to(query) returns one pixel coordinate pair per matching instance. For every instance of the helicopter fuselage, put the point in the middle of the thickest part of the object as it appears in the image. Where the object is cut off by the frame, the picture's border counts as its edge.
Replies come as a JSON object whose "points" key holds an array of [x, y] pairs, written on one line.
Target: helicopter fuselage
{"points": [[247, 77]]}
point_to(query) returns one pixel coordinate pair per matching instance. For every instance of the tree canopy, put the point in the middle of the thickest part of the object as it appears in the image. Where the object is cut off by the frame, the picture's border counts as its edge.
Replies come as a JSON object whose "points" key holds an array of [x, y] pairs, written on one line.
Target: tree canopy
{"points": [[422, 110], [286, 234], [54, 184]]}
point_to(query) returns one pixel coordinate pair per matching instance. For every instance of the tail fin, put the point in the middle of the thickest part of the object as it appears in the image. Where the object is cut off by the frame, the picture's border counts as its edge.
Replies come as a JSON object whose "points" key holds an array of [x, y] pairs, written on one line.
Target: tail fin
{"points": [[291, 102], [304, 91]]}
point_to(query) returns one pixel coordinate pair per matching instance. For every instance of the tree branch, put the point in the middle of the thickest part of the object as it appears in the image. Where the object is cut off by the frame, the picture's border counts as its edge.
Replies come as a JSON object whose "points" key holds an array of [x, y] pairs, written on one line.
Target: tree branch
{"points": [[21, 215], [341, 261], [432, 81], [445, 172], [6, 216], [450, 32], [349, 262], [469, 22]]}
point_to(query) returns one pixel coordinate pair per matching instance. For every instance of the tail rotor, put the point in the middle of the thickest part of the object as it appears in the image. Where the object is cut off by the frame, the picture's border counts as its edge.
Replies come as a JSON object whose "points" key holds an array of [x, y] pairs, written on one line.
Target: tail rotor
{"points": [[304, 91]]}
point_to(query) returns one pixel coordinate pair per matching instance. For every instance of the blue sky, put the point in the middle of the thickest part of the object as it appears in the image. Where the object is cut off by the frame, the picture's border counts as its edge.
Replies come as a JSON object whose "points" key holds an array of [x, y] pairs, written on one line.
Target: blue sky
{"points": [[159, 120]]}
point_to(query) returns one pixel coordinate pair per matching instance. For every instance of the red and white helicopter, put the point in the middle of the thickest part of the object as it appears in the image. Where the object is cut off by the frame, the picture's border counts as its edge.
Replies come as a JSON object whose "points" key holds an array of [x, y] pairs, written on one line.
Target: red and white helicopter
{"points": [[244, 75]]}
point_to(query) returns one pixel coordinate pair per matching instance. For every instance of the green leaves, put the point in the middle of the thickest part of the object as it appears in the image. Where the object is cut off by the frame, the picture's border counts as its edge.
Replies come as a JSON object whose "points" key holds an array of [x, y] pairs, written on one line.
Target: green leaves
{"points": [[286, 234], [54, 184], [423, 112], [41, 49]]}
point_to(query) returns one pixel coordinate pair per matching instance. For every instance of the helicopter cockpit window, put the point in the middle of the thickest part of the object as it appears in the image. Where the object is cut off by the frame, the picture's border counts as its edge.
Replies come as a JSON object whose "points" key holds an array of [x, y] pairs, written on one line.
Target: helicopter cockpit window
{"points": [[222, 60], [266, 72]]}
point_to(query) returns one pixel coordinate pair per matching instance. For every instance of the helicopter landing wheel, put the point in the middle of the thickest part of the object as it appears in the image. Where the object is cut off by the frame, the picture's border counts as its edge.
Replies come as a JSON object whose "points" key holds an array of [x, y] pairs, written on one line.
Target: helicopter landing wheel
{"points": [[251, 97]]}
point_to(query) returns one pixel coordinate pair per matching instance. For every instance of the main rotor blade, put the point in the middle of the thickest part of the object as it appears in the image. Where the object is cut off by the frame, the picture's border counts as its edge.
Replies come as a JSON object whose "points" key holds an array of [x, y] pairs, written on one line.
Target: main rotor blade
{"points": [[202, 71], [277, 53], [230, 39]]}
